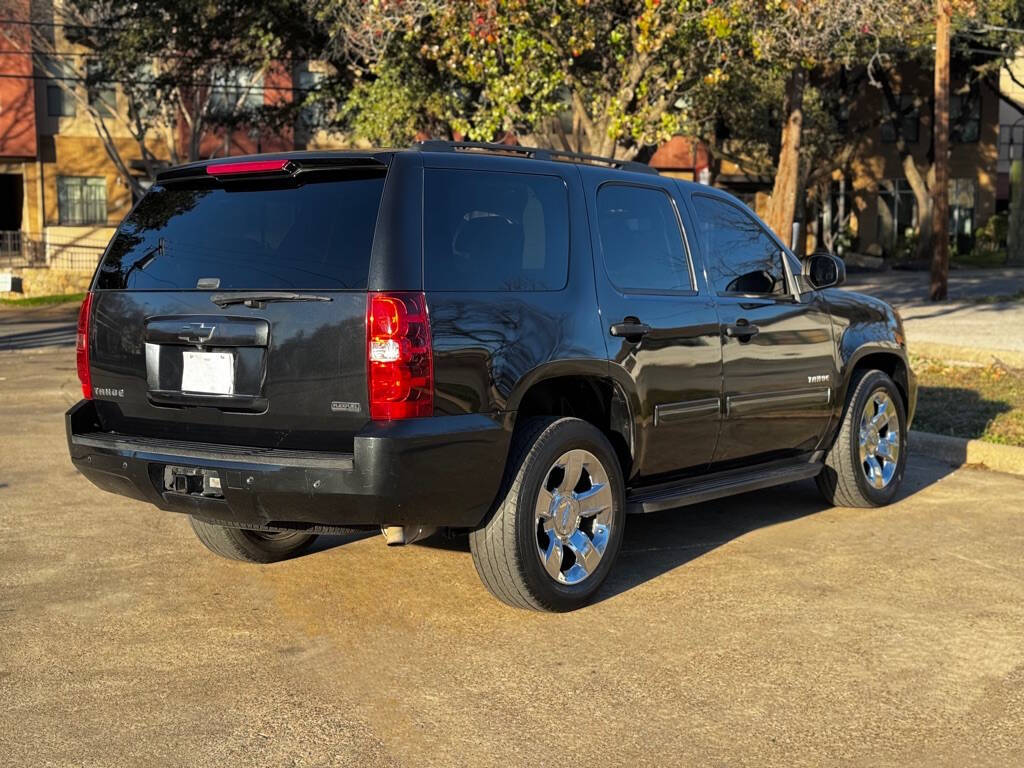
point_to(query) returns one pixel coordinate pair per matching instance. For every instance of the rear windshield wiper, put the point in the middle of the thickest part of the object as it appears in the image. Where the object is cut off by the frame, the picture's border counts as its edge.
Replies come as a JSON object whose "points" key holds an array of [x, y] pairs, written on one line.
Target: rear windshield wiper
{"points": [[258, 298]]}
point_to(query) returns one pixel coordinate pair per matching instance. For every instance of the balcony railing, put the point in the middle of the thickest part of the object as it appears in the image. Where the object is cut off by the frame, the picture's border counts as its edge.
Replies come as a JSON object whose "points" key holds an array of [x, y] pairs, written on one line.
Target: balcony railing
{"points": [[21, 250]]}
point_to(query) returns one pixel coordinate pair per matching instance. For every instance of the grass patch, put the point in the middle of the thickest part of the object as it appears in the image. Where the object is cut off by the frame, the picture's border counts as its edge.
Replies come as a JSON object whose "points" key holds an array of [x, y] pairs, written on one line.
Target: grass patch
{"points": [[998, 298], [39, 301], [981, 259], [978, 402]]}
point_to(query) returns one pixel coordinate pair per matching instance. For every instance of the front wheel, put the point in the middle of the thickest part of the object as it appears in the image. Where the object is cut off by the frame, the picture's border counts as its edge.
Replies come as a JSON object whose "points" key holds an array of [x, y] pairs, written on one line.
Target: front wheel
{"points": [[554, 536], [250, 546], [866, 464]]}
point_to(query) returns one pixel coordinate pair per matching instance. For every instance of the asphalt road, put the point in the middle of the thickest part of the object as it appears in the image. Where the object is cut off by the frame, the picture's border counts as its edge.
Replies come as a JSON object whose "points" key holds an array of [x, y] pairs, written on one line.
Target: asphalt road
{"points": [[763, 630]]}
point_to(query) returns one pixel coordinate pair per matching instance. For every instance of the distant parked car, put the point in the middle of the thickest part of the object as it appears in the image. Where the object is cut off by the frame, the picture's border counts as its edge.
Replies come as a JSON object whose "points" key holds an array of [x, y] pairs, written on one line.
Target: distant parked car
{"points": [[520, 344]]}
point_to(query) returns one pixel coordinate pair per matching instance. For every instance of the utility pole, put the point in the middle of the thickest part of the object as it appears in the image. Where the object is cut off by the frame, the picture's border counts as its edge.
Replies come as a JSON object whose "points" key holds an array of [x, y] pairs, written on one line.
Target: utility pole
{"points": [[940, 207]]}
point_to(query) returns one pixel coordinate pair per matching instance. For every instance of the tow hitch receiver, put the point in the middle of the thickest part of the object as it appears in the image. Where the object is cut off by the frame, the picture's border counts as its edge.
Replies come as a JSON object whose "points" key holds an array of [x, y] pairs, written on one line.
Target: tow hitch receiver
{"points": [[193, 480]]}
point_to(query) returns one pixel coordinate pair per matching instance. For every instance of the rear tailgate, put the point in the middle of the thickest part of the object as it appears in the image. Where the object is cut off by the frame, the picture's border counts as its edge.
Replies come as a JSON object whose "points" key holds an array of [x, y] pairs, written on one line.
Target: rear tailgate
{"points": [[232, 311]]}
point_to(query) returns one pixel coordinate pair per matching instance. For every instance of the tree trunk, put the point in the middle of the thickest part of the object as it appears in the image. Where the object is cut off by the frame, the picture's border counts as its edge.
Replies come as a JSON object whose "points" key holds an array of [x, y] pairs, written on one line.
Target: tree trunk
{"points": [[782, 206], [919, 185], [1015, 230], [940, 222]]}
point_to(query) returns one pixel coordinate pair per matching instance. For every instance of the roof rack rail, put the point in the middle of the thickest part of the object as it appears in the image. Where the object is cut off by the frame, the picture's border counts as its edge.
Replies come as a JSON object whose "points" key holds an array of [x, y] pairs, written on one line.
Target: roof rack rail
{"points": [[536, 153]]}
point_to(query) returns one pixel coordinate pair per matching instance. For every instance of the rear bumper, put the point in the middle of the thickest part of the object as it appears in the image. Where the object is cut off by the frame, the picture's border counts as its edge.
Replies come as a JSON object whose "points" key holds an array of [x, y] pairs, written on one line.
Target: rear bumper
{"points": [[442, 471]]}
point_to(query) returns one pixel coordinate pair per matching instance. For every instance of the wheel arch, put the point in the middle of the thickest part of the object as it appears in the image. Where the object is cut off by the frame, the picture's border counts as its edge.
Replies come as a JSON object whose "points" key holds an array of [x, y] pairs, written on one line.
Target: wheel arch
{"points": [[585, 390], [891, 360]]}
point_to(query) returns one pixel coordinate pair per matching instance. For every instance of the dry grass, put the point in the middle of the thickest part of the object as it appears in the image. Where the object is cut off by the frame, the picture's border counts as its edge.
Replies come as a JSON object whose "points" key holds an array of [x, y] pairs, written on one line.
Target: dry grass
{"points": [[984, 401]]}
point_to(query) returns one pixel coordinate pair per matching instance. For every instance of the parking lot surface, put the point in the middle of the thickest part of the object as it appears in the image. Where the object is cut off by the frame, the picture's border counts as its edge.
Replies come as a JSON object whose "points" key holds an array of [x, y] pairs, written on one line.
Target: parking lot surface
{"points": [[767, 629]]}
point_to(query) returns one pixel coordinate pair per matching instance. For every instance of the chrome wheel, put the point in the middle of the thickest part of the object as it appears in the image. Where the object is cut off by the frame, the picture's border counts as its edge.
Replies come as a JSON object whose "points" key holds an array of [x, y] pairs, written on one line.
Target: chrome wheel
{"points": [[879, 439], [573, 517]]}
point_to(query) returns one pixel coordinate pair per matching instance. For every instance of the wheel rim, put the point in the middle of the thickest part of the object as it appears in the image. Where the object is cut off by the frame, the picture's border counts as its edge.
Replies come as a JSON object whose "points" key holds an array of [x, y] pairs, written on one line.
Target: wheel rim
{"points": [[879, 440], [573, 517]]}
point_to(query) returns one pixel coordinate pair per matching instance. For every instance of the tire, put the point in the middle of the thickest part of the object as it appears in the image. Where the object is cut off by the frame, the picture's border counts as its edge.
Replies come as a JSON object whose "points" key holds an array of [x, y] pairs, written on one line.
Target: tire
{"points": [[507, 548], [249, 546], [844, 481]]}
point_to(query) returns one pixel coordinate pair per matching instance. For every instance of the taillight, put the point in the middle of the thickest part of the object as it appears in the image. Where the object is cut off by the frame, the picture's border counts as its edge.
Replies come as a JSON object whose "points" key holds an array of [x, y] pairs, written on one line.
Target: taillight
{"points": [[82, 347], [400, 361]]}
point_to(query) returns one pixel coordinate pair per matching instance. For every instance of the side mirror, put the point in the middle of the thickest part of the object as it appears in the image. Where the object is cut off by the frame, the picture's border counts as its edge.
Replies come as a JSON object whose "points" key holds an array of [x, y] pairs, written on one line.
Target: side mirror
{"points": [[823, 270]]}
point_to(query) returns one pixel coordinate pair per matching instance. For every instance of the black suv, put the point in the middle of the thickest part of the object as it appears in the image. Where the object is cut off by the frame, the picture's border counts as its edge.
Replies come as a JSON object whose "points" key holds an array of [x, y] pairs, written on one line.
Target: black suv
{"points": [[517, 343]]}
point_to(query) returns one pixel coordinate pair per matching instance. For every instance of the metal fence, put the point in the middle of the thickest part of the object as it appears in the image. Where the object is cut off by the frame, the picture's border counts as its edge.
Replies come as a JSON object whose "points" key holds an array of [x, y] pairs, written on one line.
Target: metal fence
{"points": [[21, 249]]}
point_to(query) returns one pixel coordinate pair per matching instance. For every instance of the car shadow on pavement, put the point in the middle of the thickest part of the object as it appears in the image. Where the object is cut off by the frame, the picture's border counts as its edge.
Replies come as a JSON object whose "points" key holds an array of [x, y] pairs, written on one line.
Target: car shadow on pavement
{"points": [[657, 543], [330, 541], [663, 541], [60, 336]]}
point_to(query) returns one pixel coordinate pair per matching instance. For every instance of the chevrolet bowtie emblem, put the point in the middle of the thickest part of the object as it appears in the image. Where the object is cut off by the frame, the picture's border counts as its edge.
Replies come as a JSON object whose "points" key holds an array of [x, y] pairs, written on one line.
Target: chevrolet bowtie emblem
{"points": [[197, 333]]}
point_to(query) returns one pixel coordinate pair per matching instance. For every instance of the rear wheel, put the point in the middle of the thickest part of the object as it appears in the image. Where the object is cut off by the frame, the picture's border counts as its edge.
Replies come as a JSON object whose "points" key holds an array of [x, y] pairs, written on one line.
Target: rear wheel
{"points": [[250, 546], [866, 464], [555, 534]]}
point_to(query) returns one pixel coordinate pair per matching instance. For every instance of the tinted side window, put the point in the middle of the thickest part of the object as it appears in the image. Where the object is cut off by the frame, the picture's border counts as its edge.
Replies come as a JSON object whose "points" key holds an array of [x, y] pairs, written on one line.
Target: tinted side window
{"points": [[640, 237], [739, 255], [487, 231], [253, 236]]}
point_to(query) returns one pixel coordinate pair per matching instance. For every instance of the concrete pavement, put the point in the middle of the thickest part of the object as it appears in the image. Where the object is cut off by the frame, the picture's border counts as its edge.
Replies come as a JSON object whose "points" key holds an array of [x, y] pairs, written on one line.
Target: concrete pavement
{"points": [[767, 629], [960, 328], [51, 325]]}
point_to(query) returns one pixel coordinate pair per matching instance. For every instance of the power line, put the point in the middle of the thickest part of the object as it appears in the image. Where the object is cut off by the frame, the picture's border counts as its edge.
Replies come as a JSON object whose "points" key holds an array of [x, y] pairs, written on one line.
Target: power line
{"points": [[231, 87], [94, 55], [59, 24]]}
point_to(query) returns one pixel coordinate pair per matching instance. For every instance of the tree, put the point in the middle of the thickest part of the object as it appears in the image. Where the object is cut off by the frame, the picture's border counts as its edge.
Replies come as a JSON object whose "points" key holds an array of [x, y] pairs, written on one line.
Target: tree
{"points": [[184, 69], [940, 226], [802, 40], [605, 76]]}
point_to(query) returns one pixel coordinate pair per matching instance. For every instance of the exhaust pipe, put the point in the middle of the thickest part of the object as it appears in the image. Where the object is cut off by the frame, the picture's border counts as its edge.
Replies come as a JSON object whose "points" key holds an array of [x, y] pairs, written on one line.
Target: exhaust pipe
{"points": [[399, 535]]}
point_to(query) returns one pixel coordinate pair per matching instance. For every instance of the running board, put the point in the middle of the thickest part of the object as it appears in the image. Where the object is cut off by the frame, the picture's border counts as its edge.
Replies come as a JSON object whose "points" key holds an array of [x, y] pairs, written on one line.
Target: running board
{"points": [[701, 489]]}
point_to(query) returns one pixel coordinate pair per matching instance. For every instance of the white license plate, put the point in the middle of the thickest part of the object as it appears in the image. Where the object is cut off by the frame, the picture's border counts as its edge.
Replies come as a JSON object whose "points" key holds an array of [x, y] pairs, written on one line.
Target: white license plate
{"points": [[208, 372]]}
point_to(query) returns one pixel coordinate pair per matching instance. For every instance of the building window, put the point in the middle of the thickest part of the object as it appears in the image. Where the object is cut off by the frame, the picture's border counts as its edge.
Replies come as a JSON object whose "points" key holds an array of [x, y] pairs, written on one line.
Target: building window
{"points": [[965, 117], [236, 90], [835, 216], [102, 96], [1011, 143], [962, 196], [312, 115], [82, 200], [897, 214], [909, 116], [59, 103]]}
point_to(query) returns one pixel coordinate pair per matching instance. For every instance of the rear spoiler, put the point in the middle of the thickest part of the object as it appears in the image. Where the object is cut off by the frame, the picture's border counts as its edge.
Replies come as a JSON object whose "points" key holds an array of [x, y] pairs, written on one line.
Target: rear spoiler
{"points": [[274, 166]]}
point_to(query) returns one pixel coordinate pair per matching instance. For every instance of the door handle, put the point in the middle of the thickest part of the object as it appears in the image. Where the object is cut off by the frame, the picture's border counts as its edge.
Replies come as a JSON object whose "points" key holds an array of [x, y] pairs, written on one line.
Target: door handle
{"points": [[630, 329], [742, 330]]}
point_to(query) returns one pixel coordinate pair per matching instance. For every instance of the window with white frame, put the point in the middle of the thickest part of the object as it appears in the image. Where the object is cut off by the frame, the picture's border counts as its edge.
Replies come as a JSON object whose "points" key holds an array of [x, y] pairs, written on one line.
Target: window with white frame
{"points": [[236, 90], [82, 200]]}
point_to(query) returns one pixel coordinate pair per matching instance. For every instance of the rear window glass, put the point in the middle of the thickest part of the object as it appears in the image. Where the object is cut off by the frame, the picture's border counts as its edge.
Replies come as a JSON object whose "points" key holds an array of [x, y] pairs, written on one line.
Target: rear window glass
{"points": [[250, 236], [487, 231]]}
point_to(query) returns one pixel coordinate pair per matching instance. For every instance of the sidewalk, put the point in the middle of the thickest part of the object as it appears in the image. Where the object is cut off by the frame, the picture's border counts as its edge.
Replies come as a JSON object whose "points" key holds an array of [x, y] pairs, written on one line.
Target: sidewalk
{"points": [[961, 328]]}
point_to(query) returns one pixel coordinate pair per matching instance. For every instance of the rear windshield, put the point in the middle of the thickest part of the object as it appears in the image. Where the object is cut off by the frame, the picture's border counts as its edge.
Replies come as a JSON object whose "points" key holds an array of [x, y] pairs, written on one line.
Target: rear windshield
{"points": [[314, 236]]}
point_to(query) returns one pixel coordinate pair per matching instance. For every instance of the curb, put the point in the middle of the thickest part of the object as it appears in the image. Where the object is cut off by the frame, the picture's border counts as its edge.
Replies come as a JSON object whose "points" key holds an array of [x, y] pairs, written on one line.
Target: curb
{"points": [[959, 451]]}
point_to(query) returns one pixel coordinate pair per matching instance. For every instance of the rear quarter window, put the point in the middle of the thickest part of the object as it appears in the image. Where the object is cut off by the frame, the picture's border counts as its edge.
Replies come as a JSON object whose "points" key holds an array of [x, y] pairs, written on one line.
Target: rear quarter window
{"points": [[249, 236], [490, 231]]}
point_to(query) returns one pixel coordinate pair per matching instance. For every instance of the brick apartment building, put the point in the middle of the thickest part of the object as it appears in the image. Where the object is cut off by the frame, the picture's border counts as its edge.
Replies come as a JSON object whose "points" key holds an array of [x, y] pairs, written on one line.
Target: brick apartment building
{"points": [[61, 195]]}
